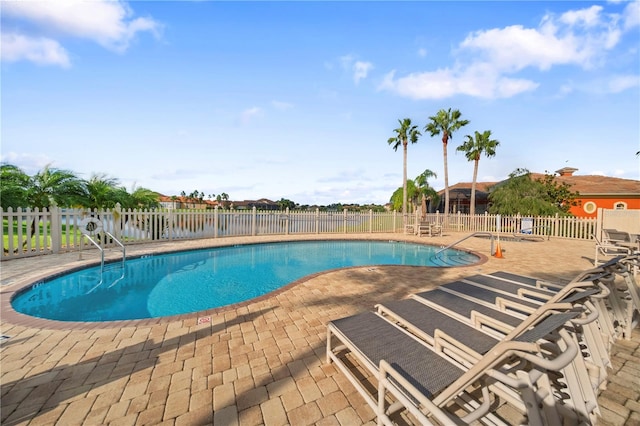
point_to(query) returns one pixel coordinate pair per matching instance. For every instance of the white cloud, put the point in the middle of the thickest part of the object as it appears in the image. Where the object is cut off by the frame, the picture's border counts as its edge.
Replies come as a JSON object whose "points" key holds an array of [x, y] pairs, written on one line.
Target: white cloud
{"points": [[488, 60], [346, 61], [621, 83], [281, 105], [42, 51], [249, 114], [632, 15], [444, 83], [566, 89], [588, 17], [111, 24], [514, 48], [361, 70], [29, 163]]}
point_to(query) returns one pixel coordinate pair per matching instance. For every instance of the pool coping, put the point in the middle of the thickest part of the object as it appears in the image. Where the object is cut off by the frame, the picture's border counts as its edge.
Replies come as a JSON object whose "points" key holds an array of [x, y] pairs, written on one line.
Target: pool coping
{"points": [[10, 315]]}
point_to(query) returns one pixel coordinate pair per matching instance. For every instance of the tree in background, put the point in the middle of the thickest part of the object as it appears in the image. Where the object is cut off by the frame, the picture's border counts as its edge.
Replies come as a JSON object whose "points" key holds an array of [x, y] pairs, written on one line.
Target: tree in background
{"points": [[559, 193], [445, 122], [426, 192], [286, 204], [13, 184], [223, 199], [47, 187], [142, 198], [473, 148], [196, 196], [520, 194], [405, 133], [398, 196], [103, 191]]}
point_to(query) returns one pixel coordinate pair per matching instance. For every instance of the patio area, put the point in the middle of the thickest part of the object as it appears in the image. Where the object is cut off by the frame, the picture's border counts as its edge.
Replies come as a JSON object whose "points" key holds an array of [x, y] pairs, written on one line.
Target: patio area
{"points": [[261, 362]]}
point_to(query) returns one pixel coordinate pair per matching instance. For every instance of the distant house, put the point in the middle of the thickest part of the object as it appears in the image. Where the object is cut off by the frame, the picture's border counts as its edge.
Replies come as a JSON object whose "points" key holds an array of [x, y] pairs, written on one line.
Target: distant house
{"points": [[185, 203], [600, 192], [261, 204], [595, 192], [460, 197]]}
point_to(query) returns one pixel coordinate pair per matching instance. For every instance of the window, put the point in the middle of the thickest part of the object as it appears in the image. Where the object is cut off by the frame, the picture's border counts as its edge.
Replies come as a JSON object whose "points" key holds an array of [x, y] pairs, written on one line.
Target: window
{"points": [[620, 205], [589, 207]]}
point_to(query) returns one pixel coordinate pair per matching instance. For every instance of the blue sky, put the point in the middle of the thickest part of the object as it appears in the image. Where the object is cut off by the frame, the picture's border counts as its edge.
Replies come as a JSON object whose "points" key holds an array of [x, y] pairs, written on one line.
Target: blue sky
{"points": [[297, 100]]}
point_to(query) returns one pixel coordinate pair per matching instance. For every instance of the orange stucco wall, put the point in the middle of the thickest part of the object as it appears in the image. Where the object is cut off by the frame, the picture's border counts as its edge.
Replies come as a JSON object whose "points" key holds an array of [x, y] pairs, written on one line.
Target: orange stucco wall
{"points": [[583, 210]]}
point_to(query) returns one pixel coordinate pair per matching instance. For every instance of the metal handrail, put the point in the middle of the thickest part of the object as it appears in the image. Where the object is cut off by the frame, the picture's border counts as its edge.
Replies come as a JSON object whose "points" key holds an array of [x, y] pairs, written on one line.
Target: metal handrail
{"points": [[124, 255], [95, 243], [475, 234], [101, 254]]}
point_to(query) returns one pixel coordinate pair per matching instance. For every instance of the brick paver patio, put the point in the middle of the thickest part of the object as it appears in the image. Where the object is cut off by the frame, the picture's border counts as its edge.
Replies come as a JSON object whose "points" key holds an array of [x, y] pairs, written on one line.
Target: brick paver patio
{"points": [[262, 362]]}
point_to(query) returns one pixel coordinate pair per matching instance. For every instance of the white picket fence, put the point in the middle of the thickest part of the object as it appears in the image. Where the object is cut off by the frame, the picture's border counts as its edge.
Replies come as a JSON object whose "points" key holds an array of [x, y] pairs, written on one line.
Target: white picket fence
{"points": [[31, 232]]}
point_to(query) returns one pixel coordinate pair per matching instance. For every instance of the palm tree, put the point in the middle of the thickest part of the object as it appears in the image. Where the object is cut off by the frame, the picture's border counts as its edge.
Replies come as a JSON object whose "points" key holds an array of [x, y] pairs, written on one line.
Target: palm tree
{"points": [[55, 186], [445, 123], [474, 147], [103, 192], [405, 133], [13, 186], [413, 192], [424, 189], [223, 199], [398, 195], [144, 198], [48, 187]]}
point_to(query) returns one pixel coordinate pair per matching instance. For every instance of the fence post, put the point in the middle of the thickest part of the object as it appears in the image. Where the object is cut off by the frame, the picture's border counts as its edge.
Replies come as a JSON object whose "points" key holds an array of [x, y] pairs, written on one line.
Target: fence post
{"points": [[370, 221], [215, 222], [317, 220], [2, 245], [56, 228], [599, 220], [253, 221], [117, 221], [11, 219], [287, 221], [170, 215], [344, 221]]}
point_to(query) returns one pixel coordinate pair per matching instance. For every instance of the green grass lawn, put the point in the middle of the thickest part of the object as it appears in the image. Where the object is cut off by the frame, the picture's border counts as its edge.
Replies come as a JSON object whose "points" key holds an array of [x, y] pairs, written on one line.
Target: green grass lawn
{"points": [[66, 230]]}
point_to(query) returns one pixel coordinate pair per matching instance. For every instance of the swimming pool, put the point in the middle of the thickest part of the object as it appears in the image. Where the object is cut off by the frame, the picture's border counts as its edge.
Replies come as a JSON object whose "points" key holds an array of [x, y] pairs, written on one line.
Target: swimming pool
{"points": [[197, 280]]}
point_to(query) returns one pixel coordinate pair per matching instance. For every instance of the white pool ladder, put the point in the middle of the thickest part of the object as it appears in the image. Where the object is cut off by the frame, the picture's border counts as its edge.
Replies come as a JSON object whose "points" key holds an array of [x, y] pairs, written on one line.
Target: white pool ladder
{"points": [[90, 227]]}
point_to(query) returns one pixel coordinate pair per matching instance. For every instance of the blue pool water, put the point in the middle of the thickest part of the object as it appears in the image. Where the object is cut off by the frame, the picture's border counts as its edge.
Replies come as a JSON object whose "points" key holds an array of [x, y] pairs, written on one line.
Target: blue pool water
{"points": [[192, 281]]}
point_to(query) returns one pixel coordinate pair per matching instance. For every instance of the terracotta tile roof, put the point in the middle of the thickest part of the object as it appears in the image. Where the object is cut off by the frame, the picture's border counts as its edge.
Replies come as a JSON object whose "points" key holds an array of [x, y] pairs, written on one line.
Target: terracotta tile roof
{"points": [[593, 184], [480, 186], [584, 184]]}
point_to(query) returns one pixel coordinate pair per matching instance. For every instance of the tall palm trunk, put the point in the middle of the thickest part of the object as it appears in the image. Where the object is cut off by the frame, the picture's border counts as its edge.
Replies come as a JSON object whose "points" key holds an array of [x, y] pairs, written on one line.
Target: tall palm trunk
{"points": [[404, 183], [26, 238], [472, 207], [445, 140]]}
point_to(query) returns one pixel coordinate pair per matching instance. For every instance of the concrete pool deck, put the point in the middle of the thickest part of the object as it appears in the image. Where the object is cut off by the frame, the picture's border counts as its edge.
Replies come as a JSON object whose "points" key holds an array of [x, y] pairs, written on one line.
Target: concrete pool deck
{"points": [[261, 362]]}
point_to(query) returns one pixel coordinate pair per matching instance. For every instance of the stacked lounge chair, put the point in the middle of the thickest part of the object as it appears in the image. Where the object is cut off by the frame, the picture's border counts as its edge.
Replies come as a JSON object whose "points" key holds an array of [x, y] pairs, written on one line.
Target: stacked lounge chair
{"points": [[454, 354]]}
